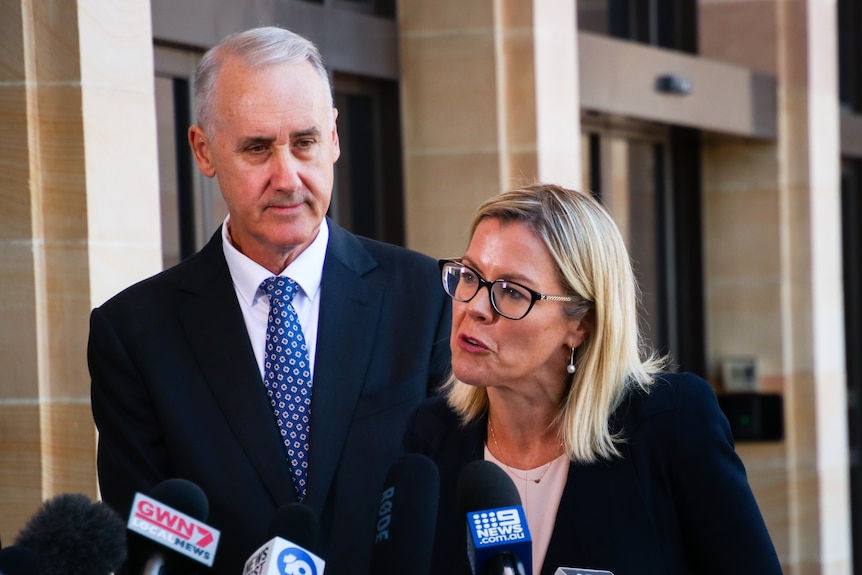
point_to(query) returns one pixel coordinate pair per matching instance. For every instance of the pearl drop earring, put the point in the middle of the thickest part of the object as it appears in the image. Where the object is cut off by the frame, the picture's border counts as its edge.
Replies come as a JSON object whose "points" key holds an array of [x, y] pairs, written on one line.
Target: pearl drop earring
{"points": [[571, 367]]}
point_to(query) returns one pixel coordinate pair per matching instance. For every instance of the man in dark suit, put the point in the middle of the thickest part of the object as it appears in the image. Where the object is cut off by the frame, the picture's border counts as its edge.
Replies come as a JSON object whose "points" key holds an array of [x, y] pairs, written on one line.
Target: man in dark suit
{"points": [[177, 361]]}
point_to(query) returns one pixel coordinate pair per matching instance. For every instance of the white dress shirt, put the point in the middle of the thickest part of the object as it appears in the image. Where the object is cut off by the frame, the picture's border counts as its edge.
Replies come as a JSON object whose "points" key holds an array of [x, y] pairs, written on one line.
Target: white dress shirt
{"points": [[306, 270]]}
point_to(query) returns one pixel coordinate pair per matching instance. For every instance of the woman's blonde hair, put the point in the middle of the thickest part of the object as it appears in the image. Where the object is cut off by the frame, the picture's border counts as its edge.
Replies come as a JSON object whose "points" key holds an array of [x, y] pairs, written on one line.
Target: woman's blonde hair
{"points": [[593, 263]]}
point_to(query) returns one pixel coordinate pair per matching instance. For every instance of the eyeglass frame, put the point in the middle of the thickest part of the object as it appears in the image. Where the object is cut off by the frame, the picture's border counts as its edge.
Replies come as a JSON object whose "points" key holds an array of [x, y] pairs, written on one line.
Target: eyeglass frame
{"points": [[534, 295]]}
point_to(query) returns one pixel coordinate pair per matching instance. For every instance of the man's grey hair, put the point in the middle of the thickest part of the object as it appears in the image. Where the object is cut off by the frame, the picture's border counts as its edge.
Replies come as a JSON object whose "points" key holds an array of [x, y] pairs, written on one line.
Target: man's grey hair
{"points": [[256, 48]]}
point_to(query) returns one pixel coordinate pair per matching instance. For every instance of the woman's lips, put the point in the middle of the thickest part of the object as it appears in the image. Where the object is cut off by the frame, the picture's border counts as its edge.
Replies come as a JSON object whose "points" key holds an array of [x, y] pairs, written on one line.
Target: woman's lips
{"points": [[468, 343]]}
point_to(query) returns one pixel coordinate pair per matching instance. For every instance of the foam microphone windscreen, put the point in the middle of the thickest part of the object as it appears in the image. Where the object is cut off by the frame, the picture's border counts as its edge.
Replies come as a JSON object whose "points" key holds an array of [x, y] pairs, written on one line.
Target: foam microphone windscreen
{"points": [[407, 517], [17, 560], [183, 495], [483, 485], [295, 522], [71, 535]]}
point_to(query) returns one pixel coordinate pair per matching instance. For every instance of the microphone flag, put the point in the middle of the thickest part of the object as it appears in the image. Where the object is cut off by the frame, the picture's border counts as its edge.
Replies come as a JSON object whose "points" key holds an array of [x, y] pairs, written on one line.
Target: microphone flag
{"points": [[173, 529], [492, 531], [281, 556]]}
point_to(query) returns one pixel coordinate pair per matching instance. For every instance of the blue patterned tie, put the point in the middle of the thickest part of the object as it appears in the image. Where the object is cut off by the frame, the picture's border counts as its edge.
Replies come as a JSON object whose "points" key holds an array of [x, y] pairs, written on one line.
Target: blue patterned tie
{"points": [[288, 377]]}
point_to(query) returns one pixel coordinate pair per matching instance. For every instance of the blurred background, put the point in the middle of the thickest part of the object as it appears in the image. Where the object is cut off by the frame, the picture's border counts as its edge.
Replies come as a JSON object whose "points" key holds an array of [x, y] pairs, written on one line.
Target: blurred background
{"points": [[725, 136]]}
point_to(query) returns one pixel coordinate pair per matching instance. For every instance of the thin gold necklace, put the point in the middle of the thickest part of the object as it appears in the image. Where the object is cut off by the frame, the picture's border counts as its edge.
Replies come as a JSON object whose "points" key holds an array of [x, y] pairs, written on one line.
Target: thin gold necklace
{"points": [[512, 471]]}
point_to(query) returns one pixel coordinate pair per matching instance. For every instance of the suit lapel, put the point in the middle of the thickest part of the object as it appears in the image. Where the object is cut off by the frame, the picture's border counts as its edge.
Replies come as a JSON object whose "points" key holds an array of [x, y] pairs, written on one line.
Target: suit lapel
{"points": [[349, 311], [599, 499], [219, 340]]}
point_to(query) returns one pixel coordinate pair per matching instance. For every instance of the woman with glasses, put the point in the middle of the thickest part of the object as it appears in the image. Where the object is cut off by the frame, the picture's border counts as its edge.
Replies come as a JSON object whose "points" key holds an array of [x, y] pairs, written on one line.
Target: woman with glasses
{"points": [[620, 465]]}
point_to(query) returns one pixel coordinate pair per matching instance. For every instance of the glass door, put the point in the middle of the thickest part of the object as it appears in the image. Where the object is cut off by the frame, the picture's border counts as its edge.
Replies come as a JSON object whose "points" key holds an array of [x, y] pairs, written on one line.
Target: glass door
{"points": [[636, 169]]}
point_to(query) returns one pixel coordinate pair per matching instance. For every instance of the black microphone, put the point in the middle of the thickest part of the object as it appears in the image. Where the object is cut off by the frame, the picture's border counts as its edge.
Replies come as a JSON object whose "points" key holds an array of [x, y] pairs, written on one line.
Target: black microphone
{"points": [[579, 571], [72, 535], [406, 517], [166, 528], [17, 560], [292, 532], [498, 539]]}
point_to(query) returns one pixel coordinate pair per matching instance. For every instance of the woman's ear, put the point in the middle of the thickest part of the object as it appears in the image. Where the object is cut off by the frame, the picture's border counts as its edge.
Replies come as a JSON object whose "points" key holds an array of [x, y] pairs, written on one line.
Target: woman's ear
{"points": [[581, 328]]}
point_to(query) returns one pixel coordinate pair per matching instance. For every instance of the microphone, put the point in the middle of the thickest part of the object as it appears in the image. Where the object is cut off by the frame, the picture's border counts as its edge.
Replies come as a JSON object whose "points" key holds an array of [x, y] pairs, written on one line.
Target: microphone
{"points": [[407, 517], [498, 538], [578, 571], [168, 527], [72, 535], [17, 560], [292, 531]]}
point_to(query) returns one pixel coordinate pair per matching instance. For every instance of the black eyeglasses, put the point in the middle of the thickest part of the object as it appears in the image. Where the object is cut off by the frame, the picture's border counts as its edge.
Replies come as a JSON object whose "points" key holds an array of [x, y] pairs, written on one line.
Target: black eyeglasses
{"points": [[509, 299]]}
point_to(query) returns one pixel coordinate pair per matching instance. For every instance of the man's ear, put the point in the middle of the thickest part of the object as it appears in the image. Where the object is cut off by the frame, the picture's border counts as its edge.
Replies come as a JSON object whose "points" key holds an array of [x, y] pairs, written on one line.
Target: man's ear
{"points": [[336, 145], [202, 151]]}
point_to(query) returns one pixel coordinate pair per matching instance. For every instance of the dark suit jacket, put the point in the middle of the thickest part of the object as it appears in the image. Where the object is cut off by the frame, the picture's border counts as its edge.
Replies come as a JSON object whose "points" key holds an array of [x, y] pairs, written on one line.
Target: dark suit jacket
{"points": [[176, 392], [677, 502]]}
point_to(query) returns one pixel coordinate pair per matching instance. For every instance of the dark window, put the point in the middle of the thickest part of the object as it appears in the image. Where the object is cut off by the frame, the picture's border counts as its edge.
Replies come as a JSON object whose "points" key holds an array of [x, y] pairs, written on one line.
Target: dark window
{"points": [[185, 168], [687, 274], [655, 198], [851, 215], [176, 170], [850, 54], [669, 24], [381, 8], [368, 196]]}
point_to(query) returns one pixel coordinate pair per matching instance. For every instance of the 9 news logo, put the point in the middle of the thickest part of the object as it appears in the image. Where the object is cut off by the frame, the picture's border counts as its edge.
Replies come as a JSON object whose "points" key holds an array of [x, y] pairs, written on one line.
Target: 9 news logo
{"points": [[498, 526]]}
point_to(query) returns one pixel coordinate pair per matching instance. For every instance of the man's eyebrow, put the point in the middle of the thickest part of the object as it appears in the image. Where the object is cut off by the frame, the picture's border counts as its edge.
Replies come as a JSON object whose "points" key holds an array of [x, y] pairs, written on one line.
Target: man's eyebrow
{"points": [[254, 141], [313, 131], [250, 141]]}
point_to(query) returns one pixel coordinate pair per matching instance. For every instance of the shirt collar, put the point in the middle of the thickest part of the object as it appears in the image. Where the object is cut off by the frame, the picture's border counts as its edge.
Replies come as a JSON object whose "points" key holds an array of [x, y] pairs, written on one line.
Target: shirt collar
{"points": [[306, 270]]}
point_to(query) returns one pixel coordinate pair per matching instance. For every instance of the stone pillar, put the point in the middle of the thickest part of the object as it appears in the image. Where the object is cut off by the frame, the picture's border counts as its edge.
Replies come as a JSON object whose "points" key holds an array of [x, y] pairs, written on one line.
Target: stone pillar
{"points": [[774, 274], [490, 97], [79, 171]]}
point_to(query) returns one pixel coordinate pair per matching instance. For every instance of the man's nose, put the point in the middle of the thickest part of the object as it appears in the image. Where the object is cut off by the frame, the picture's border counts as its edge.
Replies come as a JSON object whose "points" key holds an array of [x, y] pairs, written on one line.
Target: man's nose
{"points": [[285, 169]]}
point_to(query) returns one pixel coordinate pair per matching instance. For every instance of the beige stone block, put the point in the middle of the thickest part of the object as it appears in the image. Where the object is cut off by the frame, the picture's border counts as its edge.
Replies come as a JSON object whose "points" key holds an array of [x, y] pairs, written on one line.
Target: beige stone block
{"points": [[63, 321], [835, 516], [57, 176], [449, 93], [557, 87], [520, 103], [739, 32], [771, 382], [742, 231], [15, 209], [737, 164], [798, 332], [800, 421], [18, 337], [792, 33], [54, 51], [522, 169], [744, 318], [69, 441], [20, 465], [12, 47], [517, 13], [805, 514], [423, 17], [122, 167], [766, 466], [116, 266], [126, 28], [446, 189]]}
